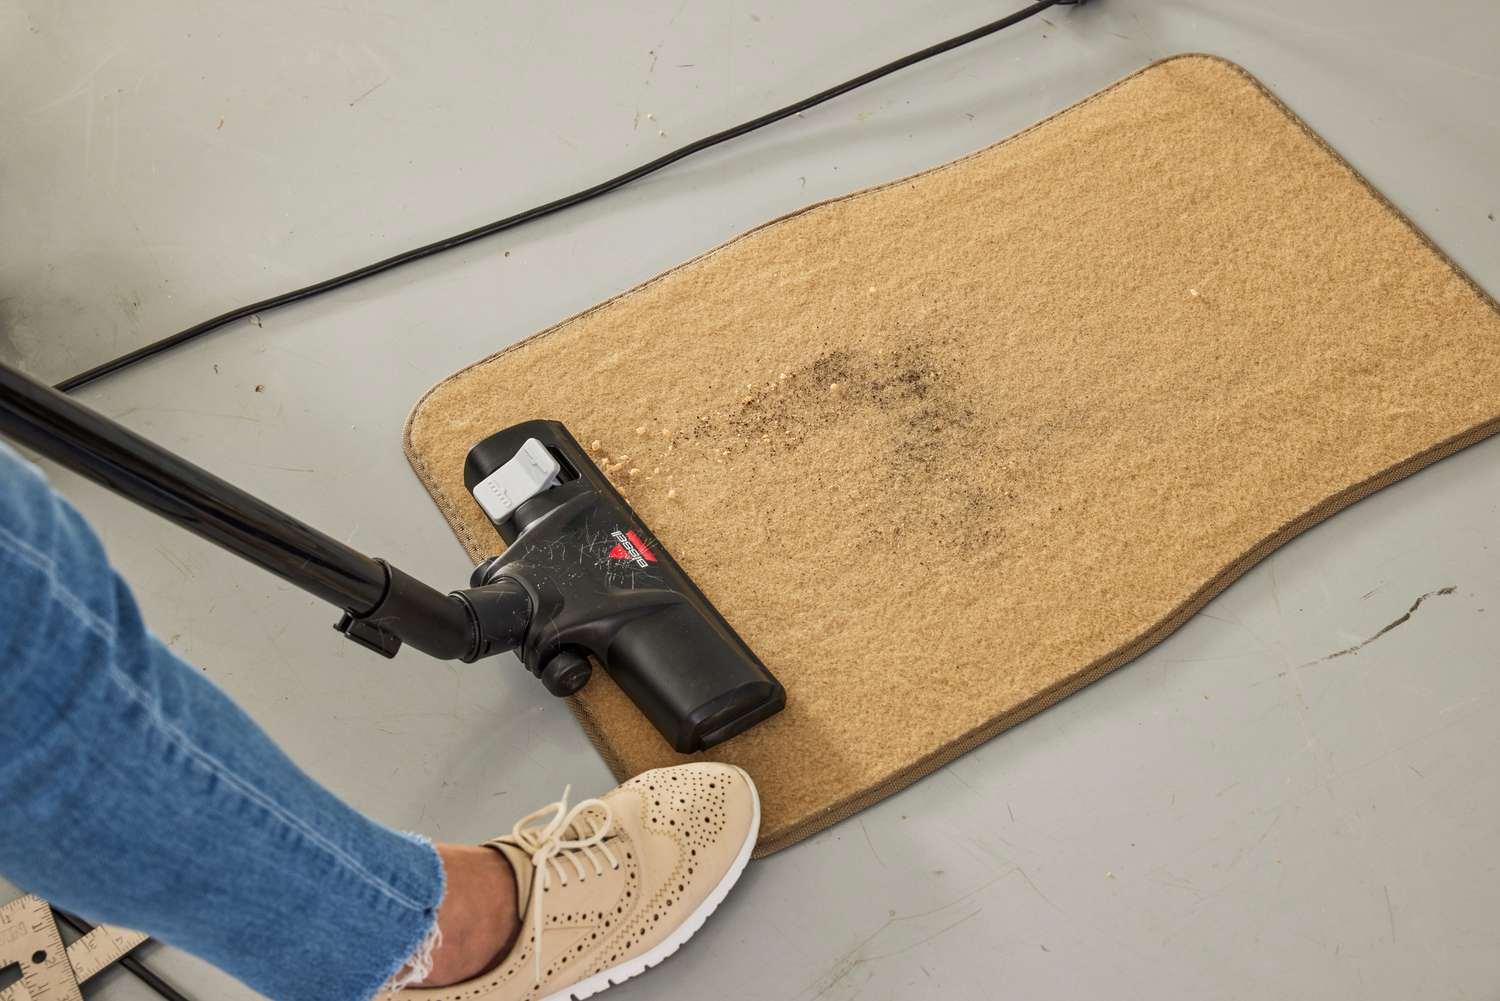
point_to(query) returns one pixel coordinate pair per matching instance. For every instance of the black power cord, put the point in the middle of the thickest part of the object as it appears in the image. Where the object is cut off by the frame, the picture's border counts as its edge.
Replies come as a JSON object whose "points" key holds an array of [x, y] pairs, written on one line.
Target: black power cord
{"points": [[556, 205]]}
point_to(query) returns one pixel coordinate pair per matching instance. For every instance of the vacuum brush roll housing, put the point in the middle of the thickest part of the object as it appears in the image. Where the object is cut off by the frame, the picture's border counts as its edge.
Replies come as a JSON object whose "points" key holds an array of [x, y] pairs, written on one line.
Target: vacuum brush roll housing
{"points": [[601, 585]]}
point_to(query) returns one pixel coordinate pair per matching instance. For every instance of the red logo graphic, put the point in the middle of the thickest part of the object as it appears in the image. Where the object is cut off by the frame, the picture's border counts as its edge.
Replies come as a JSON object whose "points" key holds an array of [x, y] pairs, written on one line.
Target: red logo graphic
{"points": [[630, 547]]}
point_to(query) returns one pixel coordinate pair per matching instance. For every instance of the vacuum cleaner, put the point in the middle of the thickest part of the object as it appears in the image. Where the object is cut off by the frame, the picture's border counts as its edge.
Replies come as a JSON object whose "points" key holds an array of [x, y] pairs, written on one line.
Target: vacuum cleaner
{"points": [[582, 580]]}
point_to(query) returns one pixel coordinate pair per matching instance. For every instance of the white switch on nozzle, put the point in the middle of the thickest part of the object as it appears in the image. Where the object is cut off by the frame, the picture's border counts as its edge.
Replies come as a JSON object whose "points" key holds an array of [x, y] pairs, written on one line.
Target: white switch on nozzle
{"points": [[532, 470]]}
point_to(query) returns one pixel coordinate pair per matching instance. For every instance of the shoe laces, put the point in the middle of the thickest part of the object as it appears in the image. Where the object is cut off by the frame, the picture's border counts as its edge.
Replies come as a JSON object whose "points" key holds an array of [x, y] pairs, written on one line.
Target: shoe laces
{"points": [[570, 835]]}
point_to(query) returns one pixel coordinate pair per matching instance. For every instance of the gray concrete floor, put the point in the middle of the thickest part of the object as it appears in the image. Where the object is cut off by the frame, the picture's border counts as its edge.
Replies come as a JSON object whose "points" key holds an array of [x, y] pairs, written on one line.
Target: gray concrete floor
{"points": [[1215, 821]]}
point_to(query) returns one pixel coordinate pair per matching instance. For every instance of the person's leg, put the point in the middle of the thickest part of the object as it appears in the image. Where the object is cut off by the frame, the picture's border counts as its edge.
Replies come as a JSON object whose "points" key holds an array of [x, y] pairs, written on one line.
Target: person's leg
{"points": [[136, 793]]}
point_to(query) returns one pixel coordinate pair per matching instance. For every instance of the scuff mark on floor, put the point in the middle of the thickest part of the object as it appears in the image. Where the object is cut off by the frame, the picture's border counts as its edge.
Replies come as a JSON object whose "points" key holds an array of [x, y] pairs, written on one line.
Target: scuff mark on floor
{"points": [[856, 958], [871, 843], [366, 93], [1387, 628]]}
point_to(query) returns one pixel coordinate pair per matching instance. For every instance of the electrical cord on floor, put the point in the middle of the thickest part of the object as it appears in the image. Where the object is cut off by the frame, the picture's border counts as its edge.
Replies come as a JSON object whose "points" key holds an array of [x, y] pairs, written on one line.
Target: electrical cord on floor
{"points": [[131, 963], [556, 205]]}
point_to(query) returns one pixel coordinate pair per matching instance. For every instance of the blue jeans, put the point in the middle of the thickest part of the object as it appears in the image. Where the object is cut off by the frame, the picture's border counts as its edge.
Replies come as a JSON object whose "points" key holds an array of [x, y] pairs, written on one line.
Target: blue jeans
{"points": [[136, 793]]}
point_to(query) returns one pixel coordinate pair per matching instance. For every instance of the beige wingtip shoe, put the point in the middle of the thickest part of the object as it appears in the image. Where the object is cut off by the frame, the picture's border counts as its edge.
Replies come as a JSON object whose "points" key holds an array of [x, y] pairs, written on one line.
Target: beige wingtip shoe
{"points": [[612, 886]]}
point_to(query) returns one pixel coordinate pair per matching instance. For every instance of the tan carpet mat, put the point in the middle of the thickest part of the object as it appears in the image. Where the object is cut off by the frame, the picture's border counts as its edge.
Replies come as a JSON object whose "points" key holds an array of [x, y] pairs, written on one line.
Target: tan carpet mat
{"points": [[946, 450]]}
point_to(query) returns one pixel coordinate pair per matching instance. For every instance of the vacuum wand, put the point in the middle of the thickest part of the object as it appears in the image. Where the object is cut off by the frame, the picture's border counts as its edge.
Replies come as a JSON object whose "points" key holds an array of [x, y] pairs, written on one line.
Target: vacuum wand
{"points": [[582, 578], [383, 606]]}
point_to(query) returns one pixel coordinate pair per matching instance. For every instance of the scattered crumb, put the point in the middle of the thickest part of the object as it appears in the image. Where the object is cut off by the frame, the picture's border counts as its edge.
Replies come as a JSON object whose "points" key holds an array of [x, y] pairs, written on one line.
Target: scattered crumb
{"points": [[641, 429], [595, 446], [650, 117], [671, 494], [661, 132], [782, 377], [1109, 875], [634, 472], [872, 289], [1192, 291], [260, 387]]}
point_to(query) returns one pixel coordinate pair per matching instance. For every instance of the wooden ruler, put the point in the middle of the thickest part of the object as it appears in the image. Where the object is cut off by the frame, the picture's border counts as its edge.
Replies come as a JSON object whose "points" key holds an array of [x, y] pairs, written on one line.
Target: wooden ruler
{"points": [[49, 972], [29, 937], [93, 953]]}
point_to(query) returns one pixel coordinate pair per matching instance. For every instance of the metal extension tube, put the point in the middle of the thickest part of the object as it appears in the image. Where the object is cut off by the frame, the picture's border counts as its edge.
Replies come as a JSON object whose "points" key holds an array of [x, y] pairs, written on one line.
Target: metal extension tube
{"points": [[385, 607]]}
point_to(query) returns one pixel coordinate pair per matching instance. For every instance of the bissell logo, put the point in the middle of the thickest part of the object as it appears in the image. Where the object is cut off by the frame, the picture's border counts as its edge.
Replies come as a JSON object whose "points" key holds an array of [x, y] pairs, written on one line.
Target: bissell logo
{"points": [[628, 546]]}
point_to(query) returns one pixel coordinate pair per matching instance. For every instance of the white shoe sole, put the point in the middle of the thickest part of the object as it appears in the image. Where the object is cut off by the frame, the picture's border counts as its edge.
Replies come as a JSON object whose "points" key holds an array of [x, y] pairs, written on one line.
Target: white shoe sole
{"points": [[640, 964]]}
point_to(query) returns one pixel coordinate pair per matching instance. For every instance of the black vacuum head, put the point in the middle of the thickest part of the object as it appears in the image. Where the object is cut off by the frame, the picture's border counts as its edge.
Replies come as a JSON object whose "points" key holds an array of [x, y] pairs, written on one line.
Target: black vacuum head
{"points": [[602, 585]]}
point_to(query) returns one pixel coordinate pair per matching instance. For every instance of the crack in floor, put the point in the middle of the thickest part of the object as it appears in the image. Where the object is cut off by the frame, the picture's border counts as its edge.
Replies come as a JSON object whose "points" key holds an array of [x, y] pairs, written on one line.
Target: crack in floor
{"points": [[1401, 621]]}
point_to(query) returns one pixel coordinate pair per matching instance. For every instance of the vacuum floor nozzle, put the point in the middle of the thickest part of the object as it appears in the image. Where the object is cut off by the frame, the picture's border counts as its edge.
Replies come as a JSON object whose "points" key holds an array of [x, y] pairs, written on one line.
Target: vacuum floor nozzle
{"points": [[601, 585]]}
